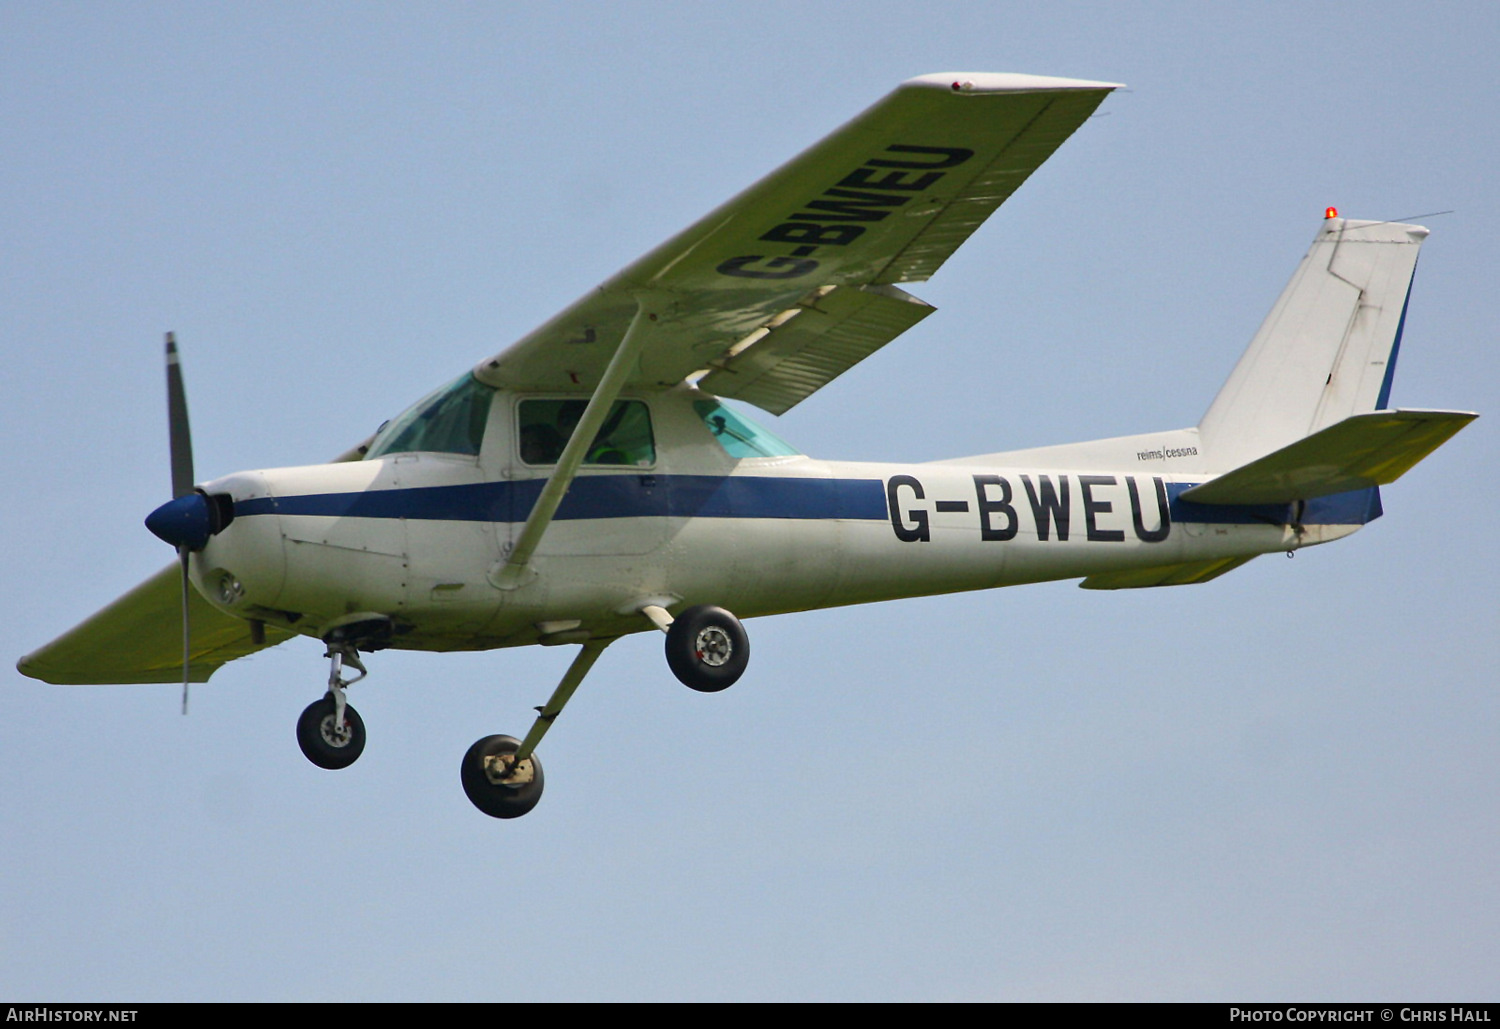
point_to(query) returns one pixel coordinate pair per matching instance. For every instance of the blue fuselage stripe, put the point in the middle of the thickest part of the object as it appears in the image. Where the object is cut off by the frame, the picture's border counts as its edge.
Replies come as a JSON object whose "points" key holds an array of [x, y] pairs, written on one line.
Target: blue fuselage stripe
{"points": [[739, 496], [1357, 507], [601, 496]]}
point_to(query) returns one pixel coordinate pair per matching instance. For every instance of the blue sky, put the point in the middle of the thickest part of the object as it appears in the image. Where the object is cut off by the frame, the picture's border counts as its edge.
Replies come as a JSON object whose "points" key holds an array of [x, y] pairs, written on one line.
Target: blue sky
{"points": [[1277, 785]]}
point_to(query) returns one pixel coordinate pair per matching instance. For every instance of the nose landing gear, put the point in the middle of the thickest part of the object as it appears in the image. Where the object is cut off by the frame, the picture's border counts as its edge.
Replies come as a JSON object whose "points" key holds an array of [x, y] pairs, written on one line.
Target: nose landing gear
{"points": [[328, 738], [329, 731]]}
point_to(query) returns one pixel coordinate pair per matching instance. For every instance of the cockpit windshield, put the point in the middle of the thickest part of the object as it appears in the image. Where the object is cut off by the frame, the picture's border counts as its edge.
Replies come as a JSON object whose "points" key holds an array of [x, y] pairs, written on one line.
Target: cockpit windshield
{"points": [[738, 435], [449, 420]]}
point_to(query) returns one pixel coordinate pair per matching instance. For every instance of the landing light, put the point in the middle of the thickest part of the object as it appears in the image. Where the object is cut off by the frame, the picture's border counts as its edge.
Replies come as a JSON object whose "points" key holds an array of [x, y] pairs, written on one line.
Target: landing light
{"points": [[230, 589]]}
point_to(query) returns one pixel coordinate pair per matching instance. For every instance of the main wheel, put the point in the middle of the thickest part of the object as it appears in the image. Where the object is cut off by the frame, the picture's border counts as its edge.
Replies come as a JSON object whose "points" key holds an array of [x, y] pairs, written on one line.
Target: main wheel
{"points": [[322, 743], [707, 648], [499, 787]]}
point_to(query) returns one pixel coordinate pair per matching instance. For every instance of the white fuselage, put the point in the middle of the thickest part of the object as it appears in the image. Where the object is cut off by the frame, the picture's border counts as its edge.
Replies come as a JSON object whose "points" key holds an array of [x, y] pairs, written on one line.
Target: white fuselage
{"points": [[421, 537]]}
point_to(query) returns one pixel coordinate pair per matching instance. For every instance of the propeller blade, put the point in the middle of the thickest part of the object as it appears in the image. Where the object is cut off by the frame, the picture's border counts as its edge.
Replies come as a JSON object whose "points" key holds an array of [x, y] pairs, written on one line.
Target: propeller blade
{"points": [[177, 424], [180, 441], [186, 633]]}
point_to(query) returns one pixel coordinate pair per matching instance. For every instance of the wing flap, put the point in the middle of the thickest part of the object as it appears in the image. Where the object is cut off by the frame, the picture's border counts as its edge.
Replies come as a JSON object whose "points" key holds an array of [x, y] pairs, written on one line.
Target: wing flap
{"points": [[1185, 574], [815, 343], [1363, 450], [138, 639]]}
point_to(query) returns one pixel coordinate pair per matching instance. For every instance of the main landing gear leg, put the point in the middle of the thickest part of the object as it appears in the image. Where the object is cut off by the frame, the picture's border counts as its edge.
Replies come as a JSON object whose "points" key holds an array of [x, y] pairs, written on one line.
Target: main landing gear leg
{"points": [[330, 732], [501, 775]]}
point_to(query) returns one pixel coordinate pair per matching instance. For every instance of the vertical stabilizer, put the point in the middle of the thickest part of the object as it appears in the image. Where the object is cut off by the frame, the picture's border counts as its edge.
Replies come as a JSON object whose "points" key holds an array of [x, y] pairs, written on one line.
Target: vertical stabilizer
{"points": [[1328, 348]]}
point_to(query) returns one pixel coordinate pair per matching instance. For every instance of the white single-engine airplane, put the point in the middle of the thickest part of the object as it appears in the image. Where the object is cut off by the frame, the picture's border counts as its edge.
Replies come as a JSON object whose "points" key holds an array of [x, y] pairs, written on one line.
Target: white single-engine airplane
{"points": [[587, 483]]}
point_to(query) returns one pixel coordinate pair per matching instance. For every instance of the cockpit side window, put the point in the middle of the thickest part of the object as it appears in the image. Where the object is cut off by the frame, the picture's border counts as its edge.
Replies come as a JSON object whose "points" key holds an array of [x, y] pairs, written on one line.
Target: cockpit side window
{"points": [[738, 435], [625, 438], [449, 420]]}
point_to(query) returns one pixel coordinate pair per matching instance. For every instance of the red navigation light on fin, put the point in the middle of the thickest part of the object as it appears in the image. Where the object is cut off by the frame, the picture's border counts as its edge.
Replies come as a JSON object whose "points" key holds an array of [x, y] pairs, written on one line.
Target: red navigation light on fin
{"points": [[1332, 212]]}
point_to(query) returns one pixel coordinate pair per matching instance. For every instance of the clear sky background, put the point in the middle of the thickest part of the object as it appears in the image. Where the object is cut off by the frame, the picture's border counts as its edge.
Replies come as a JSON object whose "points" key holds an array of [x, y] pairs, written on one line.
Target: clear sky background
{"points": [[1282, 784]]}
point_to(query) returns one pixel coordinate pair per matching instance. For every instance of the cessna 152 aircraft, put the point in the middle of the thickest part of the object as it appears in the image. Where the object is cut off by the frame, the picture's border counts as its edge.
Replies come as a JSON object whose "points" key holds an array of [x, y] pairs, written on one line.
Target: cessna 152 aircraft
{"points": [[587, 483]]}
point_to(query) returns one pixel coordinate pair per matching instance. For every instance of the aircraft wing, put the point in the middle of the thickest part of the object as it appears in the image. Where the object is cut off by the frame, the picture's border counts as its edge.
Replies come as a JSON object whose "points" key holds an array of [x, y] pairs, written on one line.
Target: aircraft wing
{"points": [[138, 638], [790, 283]]}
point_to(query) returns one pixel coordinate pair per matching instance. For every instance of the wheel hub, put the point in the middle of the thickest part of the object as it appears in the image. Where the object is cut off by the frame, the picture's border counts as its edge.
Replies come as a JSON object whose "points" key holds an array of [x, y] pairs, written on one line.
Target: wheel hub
{"points": [[333, 735], [713, 646], [505, 770]]}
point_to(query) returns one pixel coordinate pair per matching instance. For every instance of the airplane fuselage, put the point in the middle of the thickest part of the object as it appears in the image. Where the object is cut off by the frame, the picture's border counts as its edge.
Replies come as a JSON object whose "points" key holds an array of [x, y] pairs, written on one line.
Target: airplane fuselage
{"points": [[422, 537]]}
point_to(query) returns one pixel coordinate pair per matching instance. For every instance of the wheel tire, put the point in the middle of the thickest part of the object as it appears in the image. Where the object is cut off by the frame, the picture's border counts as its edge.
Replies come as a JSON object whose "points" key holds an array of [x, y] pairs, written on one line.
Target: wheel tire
{"points": [[707, 648], [321, 745], [499, 800]]}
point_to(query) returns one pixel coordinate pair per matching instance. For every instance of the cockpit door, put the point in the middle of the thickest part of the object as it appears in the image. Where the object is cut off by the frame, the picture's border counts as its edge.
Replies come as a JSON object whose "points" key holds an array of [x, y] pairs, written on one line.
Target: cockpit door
{"points": [[619, 501]]}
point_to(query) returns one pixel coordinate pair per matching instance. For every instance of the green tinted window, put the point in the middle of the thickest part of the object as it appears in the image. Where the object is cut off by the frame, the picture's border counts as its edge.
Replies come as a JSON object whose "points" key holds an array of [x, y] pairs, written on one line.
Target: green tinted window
{"points": [[738, 435], [624, 438], [448, 421]]}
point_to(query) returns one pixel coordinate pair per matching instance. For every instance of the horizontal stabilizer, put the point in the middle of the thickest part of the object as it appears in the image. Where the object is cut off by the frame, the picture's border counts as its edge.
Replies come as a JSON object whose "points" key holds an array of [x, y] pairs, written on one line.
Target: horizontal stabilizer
{"points": [[1164, 575], [138, 639], [1361, 451]]}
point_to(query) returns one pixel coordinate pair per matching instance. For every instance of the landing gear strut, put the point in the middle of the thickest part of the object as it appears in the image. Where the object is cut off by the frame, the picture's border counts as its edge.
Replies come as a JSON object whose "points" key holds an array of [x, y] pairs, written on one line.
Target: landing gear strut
{"points": [[330, 732], [706, 648], [500, 774]]}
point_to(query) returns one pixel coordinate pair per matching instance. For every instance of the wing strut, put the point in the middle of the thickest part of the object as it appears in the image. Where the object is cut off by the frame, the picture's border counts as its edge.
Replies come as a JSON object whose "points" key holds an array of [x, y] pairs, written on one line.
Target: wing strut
{"points": [[517, 569]]}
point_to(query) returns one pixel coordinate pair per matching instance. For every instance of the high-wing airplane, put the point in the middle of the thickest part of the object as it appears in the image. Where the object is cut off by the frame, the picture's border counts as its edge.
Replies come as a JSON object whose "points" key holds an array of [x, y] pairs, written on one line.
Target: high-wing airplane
{"points": [[587, 482]]}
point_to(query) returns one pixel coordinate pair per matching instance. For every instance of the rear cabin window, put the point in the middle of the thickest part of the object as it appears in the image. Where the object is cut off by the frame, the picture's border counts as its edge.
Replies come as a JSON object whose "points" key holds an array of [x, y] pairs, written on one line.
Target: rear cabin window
{"points": [[449, 420], [624, 439], [738, 435]]}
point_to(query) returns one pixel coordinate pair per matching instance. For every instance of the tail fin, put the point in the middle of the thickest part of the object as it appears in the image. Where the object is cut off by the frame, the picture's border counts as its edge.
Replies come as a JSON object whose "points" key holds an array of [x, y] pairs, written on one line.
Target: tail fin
{"points": [[1328, 348]]}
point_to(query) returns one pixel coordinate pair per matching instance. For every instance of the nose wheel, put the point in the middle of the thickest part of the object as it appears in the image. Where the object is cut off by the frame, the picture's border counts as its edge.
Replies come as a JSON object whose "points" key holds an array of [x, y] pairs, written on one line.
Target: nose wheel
{"points": [[329, 731], [327, 741]]}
